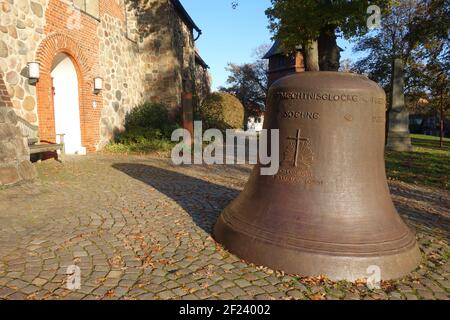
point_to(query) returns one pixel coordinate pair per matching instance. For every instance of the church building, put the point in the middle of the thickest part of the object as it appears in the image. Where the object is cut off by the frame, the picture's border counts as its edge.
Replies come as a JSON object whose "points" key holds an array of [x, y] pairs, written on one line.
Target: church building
{"points": [[77, 67]]}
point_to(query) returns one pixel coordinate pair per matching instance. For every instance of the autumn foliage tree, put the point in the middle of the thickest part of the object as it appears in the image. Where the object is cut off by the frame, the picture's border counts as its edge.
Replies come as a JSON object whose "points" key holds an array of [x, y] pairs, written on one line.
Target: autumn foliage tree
{"points": [[430, 32], [390, 41], [417, 33], [249, 82]]}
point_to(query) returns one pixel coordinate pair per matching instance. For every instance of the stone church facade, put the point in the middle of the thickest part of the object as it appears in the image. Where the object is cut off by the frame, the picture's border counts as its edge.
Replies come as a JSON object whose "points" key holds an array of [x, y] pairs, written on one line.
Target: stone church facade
{"points": [[143, 50]]}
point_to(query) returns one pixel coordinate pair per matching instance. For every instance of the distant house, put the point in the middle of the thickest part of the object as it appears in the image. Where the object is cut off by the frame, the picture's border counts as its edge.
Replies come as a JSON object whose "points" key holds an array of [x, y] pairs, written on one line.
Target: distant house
{"points": [[423, 122]]}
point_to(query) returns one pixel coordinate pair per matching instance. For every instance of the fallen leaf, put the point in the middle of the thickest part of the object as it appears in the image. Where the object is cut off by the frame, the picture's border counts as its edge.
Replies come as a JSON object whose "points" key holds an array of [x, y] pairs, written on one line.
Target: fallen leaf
{"points": [[319, 296], [110, 294]]}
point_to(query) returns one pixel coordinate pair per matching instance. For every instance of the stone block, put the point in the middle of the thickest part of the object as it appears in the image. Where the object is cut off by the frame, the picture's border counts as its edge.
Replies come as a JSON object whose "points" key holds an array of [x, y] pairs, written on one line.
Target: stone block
{"points": [[21, 148], [37, 9], [20, 24], [22, 48], [31, 117], [7, 151], [6, 131], [29, 103], [19, 92], [3, 49], [11, 117], [8, 175], [12, 32], [12, 78], [399, 141]]}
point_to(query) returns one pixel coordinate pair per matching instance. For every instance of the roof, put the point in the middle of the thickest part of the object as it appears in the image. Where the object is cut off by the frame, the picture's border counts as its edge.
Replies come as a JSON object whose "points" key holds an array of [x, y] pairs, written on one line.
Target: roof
{"points": [[185, 16], [200, 61], [276, 50]]}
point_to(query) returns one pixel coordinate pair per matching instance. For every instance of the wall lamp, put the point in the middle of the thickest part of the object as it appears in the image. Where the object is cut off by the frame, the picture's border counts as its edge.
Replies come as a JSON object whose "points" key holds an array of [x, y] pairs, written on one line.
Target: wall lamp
{"points": [[33, 71], [98, 85]]}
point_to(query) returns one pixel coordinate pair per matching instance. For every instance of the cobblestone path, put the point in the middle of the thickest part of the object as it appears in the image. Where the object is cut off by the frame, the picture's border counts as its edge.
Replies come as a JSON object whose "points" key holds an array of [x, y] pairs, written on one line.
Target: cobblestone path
{"points": [[139, 228]]}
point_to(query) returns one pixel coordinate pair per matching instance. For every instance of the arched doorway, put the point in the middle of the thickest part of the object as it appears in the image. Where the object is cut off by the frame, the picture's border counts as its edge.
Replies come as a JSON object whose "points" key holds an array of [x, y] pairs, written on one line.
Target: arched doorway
{"points": [[66, 103], [90, 104]]}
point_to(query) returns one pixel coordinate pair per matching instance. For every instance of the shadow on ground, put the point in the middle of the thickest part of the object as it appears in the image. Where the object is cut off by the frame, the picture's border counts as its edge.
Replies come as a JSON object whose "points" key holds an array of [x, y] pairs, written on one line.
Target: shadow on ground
{"points": [[437, 224], [202, 200]]}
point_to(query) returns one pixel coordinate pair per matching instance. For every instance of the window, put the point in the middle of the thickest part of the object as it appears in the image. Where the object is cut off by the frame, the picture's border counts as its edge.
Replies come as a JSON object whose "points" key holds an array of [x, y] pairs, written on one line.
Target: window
{"points": [[91, 7]]}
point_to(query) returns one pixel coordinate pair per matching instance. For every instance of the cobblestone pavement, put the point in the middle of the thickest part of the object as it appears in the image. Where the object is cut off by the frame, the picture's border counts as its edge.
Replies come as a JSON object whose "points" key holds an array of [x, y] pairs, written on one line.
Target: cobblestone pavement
{"points": [[139, 228]]}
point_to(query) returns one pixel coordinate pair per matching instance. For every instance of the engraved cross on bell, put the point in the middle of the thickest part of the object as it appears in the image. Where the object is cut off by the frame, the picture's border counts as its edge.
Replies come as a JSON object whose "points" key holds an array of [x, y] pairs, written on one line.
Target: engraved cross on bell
{"points": [[297, 140]]}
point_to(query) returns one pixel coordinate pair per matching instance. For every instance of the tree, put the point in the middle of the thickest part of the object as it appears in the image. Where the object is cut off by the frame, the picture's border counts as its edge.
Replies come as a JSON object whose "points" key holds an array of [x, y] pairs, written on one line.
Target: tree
{"points": [[416, 32], [439, 87], [346, 65], [249, 82], [390, 41], [430, 31], [314, 23]]}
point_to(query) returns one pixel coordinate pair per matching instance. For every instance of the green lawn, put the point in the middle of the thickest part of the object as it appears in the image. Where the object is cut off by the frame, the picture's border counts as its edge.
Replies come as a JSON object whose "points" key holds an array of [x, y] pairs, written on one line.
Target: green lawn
{"points": [[427, 165]]}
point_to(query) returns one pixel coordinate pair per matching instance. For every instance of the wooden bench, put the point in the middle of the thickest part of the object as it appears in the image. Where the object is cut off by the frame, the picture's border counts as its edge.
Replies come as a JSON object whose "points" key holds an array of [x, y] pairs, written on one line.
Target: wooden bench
{"points": [[40, 148], [34, 143]]}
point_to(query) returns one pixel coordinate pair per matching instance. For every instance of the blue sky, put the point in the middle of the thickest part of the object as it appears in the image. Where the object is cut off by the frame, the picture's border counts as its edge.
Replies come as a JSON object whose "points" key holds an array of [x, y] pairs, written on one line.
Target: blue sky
{"points": [[232, 35]]}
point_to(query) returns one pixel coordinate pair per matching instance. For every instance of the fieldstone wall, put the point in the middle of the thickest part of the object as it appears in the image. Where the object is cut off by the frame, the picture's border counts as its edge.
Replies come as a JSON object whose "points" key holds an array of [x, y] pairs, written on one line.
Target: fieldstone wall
{"points": [[167, 50], [21, 30], [202, 83], [160, 63], [147, 57], [183, 49], [15, 165], [121, 68]]}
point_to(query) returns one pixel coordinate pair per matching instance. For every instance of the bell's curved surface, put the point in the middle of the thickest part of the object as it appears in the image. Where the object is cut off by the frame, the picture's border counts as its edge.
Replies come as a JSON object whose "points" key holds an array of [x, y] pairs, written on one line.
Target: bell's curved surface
{"points": [[328, 210]]}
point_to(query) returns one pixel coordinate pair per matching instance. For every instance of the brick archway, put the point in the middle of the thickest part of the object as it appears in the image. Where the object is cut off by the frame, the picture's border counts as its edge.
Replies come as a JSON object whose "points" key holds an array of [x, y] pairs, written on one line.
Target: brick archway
{"points": [[47, 51]]}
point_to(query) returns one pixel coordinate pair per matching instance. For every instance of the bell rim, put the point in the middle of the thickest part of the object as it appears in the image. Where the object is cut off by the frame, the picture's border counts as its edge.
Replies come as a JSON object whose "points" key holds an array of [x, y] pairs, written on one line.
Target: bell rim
{"points": [[304, 263], [401, 244]]}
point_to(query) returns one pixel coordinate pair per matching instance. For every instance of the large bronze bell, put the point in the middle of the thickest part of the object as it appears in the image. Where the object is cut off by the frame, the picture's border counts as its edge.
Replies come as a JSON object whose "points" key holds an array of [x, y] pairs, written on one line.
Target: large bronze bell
{"points": [[328, 210]]}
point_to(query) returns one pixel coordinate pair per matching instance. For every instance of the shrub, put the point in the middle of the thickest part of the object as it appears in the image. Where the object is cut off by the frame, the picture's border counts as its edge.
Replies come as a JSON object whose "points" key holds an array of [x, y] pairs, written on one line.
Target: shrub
{"points": [[144, 146], [152, 116], [138, 134], [148, 127], [222, 111]]}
